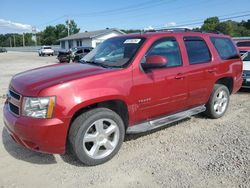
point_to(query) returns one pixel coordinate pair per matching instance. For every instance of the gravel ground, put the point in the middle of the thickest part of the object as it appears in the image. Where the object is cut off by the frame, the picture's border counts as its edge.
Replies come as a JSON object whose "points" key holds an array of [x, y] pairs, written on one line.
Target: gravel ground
{"points": [[197, 152]]}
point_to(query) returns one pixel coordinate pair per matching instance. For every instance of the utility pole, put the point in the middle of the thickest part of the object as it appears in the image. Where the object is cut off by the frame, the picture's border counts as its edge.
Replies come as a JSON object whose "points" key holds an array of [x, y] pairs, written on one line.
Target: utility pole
{"points": [[14, 40], [34, 35], [68, 25], [23, 40], [10, 42]]}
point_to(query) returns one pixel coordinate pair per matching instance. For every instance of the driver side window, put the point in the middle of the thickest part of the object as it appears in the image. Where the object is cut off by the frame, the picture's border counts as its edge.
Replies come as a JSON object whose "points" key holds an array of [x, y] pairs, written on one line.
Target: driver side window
{"points": [[169, 48]]}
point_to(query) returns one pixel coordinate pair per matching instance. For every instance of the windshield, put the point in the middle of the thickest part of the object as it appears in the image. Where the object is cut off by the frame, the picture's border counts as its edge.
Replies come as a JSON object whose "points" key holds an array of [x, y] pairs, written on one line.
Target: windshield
{"points": [[114, 52], [47, 48]]}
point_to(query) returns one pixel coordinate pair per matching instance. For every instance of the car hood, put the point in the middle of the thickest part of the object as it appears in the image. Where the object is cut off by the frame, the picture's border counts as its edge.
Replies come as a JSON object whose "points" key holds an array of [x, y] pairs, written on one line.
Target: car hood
{"points": [[31, 82]]}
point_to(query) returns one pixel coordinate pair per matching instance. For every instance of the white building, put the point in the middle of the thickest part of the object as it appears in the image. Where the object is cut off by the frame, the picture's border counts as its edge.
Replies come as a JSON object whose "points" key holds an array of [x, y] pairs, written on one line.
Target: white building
{"points": [[88, 39]]}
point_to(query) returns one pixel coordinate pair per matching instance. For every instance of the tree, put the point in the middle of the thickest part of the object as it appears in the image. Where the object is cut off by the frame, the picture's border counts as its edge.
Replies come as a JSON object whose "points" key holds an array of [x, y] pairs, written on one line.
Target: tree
{"points": [[225, 27], [72, 27], [61, 31], [246, 24], [48, 36], [210, 24]]}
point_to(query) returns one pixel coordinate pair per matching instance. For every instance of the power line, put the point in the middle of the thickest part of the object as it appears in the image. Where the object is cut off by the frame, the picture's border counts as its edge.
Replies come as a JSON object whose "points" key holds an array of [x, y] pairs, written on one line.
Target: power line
{"points": [[121, 10], [201, 22], [202, 19], [52, 21]]}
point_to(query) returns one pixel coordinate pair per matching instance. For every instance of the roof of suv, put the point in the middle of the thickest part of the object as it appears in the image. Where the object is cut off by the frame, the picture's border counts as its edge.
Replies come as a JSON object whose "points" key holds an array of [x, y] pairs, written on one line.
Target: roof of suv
{"points": [[174, 33]]}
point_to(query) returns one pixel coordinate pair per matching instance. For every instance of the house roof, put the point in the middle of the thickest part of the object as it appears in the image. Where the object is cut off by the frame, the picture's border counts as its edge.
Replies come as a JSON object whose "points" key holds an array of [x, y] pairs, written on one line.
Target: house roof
{"points": [[90, 35]]}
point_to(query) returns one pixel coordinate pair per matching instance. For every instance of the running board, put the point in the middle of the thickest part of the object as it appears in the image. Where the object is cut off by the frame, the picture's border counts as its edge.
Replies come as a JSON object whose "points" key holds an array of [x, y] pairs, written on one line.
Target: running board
{"points": [[153, 124]]}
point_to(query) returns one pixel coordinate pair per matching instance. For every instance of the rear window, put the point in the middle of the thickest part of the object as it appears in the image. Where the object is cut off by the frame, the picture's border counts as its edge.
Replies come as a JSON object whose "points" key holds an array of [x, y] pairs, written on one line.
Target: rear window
{"points": [[47, 48], [225, 48], [197, 50], [243, 44]]}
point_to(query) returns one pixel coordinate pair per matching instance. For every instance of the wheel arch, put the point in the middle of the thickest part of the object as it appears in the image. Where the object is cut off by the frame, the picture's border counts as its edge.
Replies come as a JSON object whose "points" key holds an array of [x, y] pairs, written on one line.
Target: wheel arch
{"points": [[227, 81], [117, 105]]}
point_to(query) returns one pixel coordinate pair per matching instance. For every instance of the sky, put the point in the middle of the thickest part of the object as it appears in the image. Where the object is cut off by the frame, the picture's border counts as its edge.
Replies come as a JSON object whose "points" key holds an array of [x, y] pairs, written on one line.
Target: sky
{"points": [[21, 16]]}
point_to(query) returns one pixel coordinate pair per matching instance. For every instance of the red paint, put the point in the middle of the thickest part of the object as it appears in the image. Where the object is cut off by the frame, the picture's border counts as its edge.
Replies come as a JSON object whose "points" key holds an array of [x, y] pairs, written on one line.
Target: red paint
{"points": [[147, 95]]}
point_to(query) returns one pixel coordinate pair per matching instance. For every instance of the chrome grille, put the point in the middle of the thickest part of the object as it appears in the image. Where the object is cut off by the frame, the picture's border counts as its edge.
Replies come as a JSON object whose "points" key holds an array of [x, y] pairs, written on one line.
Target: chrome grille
{"points": [[14, 102]]}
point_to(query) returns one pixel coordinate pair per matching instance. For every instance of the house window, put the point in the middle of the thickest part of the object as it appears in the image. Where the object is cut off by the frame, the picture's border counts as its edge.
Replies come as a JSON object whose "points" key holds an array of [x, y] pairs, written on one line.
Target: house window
{"points": [[63, 44], [79, 43], [70, 44]]}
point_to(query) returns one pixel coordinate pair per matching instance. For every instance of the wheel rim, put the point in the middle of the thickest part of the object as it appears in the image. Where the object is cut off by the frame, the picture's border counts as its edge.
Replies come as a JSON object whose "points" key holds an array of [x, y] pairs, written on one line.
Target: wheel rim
{"points": [[101, 138], [220, 103]]}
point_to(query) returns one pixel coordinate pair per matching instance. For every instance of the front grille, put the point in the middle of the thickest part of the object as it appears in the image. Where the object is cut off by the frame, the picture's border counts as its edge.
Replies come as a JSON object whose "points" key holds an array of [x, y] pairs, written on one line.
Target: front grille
{"points": [[13, 108], [246, 74], [14, 95], [14, 102]]}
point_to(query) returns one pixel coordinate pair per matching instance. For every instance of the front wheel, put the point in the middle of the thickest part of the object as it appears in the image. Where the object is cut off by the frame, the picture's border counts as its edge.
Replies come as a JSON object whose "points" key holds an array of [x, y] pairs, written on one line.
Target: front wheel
{"points": [[218, 102], [96, 136]]}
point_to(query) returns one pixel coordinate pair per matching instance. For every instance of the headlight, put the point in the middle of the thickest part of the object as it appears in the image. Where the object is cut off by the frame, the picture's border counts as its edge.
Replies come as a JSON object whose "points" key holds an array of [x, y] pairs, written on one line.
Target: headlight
{"points": [[38, 107]]}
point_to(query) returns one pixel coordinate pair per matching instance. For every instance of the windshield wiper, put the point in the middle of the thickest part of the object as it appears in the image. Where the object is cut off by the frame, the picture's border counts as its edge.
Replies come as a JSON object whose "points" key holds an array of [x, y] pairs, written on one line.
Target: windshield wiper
{"points": [[95, 63]]}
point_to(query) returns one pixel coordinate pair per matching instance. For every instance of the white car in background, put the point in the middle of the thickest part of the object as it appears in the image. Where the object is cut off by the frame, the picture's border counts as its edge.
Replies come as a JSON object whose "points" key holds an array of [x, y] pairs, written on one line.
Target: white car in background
{"points": [[246, 69], [45, 50]]}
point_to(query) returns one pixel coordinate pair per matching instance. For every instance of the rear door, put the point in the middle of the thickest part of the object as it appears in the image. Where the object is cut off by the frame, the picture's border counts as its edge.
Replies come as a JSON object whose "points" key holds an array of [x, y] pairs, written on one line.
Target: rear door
{"points": [[201, 70]]}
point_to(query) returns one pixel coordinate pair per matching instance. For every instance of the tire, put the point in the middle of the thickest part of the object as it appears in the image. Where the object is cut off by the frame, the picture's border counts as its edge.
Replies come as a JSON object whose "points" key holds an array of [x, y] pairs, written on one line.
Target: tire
{"points": [[96, 136], [218, 102]]}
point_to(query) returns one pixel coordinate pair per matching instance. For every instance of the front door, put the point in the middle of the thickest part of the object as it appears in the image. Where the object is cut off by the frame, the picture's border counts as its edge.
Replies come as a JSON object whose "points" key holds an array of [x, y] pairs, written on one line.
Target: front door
{"points": [[161, 91]]}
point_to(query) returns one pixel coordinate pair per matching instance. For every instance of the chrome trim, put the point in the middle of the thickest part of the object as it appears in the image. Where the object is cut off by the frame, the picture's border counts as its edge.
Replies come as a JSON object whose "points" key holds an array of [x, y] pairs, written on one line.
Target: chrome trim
{"points": [[153, 124]]}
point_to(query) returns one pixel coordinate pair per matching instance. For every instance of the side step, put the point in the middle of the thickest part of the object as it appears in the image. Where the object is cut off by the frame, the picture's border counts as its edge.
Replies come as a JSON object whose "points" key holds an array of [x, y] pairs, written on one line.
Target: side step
{"points": [[153, 124]]}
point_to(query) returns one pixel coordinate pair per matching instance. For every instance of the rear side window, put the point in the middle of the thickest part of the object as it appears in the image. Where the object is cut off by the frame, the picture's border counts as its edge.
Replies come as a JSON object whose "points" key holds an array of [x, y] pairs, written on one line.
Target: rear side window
{"points": [[225, 48], [243, 44], [197, 50]]}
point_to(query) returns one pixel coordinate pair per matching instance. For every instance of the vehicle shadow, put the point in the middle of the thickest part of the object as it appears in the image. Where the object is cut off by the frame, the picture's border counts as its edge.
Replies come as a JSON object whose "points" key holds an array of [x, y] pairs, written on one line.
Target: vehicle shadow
{"points": [[243, 91], [21, 153], [71, 159]]}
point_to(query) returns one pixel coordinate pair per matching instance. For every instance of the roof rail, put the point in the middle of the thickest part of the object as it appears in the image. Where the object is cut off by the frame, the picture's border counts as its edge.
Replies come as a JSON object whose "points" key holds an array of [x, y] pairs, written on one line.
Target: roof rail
{"points": [[204, 31], [178, 29]]}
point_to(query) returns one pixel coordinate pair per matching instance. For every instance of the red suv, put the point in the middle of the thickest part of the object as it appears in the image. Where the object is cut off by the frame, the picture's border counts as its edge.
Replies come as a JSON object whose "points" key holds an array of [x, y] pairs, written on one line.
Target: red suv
{"points": [[128, 84]]}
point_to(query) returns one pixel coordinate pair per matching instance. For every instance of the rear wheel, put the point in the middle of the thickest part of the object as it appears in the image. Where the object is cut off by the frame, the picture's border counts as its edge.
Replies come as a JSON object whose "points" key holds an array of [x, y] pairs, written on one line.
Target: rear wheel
{"points": [[218, 102], [96, 136]]}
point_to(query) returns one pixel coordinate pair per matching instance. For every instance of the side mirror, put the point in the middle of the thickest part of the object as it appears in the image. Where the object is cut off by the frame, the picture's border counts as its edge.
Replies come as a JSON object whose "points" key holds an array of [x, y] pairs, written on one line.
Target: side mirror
{"points": [[154, 62]]}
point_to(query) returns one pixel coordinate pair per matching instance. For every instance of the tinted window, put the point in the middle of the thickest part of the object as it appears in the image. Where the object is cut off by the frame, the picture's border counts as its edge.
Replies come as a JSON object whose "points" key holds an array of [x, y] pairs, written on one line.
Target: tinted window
{"points": [[86, 50], [169, 48], [225, 48], [246, 56], [243, 44], [197, 50], [242, 52], [47, 48]]}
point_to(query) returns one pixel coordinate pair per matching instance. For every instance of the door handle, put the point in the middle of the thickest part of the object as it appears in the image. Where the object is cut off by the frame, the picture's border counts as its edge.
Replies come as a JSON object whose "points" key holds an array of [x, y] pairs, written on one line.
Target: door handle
{"points": [[211, 70], [179, 76]]}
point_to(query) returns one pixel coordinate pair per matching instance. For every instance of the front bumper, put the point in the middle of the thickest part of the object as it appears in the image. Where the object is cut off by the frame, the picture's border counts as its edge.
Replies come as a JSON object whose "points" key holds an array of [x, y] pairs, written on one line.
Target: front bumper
{"points": [[43, 135]]}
